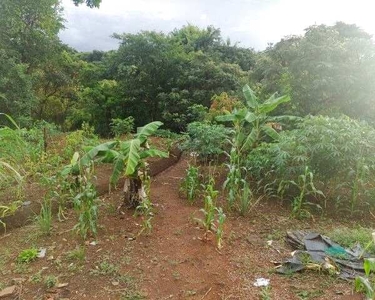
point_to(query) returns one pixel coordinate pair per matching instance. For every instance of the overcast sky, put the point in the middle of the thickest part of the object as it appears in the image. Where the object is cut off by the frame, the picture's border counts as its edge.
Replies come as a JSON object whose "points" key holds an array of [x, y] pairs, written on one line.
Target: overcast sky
{"points": [[253, 23]]}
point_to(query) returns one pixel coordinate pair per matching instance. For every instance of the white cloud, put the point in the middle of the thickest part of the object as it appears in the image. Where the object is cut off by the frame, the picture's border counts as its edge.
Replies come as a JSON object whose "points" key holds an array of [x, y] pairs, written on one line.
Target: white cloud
{"points": [[254, 23]]}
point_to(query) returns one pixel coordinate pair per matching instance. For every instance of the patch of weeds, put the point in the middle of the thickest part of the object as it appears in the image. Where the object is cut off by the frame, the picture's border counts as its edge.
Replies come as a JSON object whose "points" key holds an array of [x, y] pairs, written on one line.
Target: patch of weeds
{"points": [[50, 281], [2, 286], [276, 235], [176, 275], [22, 268], [305, 295], [178, 232], [132, 295], [104, 268], [74, 268], [27, 255], [4, 258], [349, 237], [126, 260], [111, 209], [265, 293], [190, 293], [58, 264], [77, 254], [37, 277]]}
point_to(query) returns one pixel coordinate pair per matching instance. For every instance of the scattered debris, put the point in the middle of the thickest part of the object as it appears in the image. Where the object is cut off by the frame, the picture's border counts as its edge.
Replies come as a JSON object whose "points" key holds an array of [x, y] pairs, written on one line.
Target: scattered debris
{"points": [[318, 252], [93, 243], [8, 291], [261, 282], [26, 203], [62, 285], [42, 252]]}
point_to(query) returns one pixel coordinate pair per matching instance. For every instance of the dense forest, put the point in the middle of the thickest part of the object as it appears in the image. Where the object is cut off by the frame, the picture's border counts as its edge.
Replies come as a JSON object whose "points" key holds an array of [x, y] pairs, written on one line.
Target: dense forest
{"points": [[174, 76]]}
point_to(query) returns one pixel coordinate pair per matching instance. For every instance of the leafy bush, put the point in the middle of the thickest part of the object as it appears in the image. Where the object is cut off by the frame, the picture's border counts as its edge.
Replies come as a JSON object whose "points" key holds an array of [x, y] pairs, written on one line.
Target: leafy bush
{"points": [[206, 140], [122, 126], [338, 151]]}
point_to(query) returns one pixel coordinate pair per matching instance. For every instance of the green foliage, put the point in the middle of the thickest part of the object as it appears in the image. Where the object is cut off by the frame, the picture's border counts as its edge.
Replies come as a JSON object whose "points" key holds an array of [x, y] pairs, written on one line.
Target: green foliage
{"points": [[209, 210], [349, 237], [250, 126], [50, 281], [330, 69], [213, 217], [190, 184], [27, 255], [306, 187], [44, 219], [205, 140], [338, 151], [363, 283], [122, 126]]}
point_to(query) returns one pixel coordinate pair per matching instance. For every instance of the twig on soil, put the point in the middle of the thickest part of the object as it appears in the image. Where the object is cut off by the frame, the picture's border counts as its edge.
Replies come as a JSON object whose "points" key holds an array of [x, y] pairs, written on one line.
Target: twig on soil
{"points": [[209, 290], [4, 236], [65, 231]]}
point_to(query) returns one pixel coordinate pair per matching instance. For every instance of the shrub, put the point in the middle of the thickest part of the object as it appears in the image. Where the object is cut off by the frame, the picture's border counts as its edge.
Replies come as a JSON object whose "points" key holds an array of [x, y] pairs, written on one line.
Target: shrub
{"points": [[122, 126], [206, 140]]}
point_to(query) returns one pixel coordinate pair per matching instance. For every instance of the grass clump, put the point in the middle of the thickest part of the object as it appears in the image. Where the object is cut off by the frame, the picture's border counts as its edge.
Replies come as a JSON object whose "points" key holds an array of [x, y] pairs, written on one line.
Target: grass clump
{"points": [[349, 237], [27, 255]]}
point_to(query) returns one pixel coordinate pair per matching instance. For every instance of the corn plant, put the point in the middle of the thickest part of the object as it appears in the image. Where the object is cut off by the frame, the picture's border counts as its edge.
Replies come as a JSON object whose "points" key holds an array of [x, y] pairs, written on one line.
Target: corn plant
{"points": [[210, 195], [363, 283], [190, 184], [245, 198], [220, 227], [306, 187]]}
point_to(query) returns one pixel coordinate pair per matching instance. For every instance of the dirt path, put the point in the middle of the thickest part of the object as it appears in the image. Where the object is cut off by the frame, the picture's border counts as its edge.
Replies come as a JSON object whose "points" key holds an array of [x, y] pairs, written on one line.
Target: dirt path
{"points": [[183, 265]]}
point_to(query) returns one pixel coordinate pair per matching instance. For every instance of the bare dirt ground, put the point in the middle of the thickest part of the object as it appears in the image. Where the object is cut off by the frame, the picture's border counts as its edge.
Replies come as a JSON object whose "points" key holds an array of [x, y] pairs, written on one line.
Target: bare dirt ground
{"points": [[172, 262]]}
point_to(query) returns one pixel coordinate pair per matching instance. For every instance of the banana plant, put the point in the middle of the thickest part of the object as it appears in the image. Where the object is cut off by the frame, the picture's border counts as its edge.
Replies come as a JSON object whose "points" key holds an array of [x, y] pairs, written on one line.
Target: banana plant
{"points": [[253, 122], [129, 161], [250, 125]]}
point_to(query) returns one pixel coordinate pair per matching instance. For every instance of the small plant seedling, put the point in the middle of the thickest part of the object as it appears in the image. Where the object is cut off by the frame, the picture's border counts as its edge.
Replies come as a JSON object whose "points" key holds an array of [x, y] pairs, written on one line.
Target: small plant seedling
{"points": [[77, 254], [190, 184], [50, 281], [27, 255]]}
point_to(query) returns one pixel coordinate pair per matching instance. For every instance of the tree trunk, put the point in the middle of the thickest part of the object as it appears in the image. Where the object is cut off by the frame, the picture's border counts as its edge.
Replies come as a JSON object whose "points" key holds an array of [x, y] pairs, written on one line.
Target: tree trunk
{"points": [[134, 192]]}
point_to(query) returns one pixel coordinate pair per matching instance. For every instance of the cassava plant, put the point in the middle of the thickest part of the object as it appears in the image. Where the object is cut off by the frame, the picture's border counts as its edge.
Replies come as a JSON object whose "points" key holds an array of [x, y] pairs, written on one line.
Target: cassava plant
{"points": [[129, 160]]}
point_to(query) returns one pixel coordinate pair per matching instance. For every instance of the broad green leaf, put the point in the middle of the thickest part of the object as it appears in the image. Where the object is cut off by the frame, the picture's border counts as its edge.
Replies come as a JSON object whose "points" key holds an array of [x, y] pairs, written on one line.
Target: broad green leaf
{"points": [[94, 152], [147, 130], [250, 97], [132, 157], [118, 169], [11, 120], [110, 156], [272, 103], [250, 140], [226, 118], [153, 153], [369, 265], [272, 133], [250, 117]]}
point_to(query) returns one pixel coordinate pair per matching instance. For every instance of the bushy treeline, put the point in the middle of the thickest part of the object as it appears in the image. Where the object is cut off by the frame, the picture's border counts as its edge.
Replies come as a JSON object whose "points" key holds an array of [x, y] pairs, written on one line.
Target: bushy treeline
{"points": [[172, 77]]}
